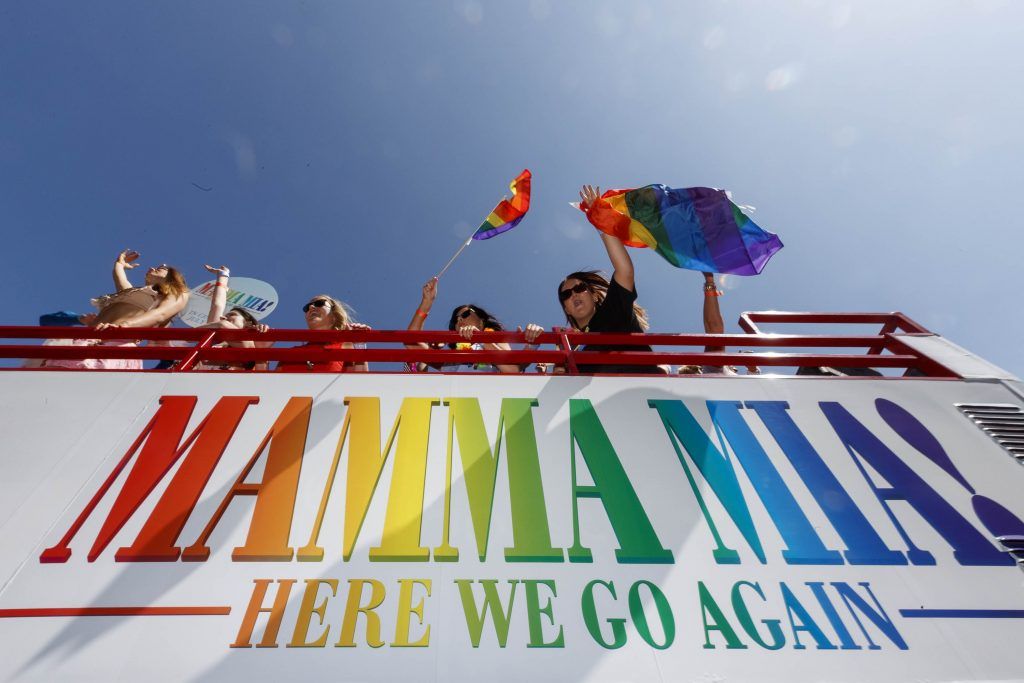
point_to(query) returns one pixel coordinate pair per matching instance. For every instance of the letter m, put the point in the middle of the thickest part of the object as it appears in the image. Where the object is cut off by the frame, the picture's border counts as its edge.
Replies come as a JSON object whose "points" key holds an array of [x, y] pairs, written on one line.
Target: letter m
{"points": [[161, 447]]}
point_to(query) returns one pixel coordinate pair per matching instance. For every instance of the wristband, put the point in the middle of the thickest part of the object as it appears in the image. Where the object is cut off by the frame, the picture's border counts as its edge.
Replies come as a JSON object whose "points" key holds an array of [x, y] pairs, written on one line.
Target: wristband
{"points": [[421, 314]]}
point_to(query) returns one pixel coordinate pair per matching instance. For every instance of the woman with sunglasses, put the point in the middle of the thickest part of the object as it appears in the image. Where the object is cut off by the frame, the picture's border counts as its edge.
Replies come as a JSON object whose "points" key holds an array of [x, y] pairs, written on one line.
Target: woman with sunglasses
{"points": [[467, 320], [593, 304], [324, 312], [153, 305]]}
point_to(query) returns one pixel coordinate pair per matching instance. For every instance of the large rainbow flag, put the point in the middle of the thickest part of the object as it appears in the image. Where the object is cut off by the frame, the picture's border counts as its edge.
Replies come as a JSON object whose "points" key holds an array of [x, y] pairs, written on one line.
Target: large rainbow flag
{"points": [[694, 227], [508, 212]]}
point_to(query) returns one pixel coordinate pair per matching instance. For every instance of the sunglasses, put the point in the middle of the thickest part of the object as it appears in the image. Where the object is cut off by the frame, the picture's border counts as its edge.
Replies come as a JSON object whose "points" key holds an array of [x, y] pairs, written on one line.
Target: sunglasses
{"points": [[162, 265], [319, 303], [578, 288], [465, 313]]}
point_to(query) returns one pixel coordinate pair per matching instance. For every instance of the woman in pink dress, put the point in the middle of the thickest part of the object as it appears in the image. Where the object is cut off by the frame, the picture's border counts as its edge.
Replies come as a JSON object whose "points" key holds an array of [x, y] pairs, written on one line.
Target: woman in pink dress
{"points": [[153, 305]]}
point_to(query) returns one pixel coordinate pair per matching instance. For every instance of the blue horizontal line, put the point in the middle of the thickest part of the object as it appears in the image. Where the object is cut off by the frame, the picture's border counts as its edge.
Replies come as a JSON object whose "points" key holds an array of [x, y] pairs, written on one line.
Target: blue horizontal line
{"points": [[963, 613]]}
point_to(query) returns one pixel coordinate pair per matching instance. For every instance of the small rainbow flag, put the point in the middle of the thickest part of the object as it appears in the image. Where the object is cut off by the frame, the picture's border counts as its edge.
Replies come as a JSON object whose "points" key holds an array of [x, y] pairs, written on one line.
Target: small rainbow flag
{"points": [[508, 212], [694, 227]]}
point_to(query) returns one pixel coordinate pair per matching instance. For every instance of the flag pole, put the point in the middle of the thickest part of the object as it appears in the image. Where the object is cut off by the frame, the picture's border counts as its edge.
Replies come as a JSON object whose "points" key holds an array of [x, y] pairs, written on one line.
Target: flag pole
{"points": [[464, 245], [455, 256]]}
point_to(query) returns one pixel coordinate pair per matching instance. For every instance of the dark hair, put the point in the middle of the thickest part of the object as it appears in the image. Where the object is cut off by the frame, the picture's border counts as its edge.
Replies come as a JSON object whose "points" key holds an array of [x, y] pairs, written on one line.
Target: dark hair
{"points": [[489, 321], [598, 285], [249, 317]]}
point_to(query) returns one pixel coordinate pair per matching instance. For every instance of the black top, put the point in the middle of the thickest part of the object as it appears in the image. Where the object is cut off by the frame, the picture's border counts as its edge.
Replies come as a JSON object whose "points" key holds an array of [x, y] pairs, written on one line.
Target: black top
{"points": [[615, 314]]}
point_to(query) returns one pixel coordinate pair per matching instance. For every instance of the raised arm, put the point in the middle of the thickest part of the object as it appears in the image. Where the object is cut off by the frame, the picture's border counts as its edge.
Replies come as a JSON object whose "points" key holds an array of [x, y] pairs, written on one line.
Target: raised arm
{"points": [[713, 323], [220, 293], [124, 263], [622, 264], [422, 311]]}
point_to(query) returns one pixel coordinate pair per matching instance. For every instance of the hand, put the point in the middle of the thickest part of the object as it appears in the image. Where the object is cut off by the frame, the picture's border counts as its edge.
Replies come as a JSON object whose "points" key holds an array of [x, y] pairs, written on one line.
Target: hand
{"points": [[261, 328], [359, 326], [87, 319], [542, 368], [126, 257], [589, 195], [223, 271], [532, 332], [429, 294], [467, 332], [109, 326]]}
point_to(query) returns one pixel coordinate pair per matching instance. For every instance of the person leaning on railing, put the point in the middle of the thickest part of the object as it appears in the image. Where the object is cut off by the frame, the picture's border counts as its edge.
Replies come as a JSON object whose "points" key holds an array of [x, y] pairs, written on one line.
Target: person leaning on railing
{"points": [[324, 312], [236, 319], [153, 305], [468, 320], [593, 304]]}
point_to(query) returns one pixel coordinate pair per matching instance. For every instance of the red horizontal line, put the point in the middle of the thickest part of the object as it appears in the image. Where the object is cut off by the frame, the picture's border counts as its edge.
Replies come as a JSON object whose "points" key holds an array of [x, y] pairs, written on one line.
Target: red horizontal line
{"points": [[112, 611]]}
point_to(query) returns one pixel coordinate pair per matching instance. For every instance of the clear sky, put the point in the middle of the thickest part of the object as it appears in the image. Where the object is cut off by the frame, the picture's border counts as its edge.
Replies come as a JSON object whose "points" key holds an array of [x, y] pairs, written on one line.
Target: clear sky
{"points": [[350, 148]]}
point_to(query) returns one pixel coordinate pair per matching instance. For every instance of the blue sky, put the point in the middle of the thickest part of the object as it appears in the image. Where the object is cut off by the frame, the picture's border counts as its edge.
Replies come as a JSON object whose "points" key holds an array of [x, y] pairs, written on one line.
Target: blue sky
{"points": [[350, 148]]}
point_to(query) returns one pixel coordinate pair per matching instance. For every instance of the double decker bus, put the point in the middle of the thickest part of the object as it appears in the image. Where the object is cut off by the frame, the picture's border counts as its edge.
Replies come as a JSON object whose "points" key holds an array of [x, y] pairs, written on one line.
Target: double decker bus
{"points": [[854, 511]]}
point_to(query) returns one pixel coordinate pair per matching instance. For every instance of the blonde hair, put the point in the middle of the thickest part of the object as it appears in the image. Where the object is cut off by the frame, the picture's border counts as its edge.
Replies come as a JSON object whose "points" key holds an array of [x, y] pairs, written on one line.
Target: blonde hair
{"points": [[341, 314], [598, 285]]}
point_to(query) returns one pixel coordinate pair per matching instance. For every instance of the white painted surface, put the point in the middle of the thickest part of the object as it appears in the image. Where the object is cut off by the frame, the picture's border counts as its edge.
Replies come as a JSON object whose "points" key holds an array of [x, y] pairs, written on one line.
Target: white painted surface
{"points": [[257, 297], [955, 357], [63, 432]]}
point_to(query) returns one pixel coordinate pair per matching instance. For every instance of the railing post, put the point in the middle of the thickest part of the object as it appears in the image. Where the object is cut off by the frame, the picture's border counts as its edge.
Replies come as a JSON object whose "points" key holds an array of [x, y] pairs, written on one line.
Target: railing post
{"points": [[190, 360], [747, 323], [907, 325], [570, 360], [888, 328], [929, 366]]}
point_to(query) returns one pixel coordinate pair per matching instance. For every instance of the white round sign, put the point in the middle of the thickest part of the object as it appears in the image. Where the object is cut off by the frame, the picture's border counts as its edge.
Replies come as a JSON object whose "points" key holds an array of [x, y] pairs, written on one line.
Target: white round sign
{"points": [[254, 296]]}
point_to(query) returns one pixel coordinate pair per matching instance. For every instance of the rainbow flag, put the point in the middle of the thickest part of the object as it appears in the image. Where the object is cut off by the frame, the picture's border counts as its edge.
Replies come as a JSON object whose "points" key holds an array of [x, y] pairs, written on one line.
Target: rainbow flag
{"points": [[694, 227], [508, 212]]}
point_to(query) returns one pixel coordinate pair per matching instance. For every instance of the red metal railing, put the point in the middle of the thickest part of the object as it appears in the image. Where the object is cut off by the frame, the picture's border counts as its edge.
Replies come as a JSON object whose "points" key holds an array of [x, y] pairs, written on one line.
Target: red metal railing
{"points": [[890, 322], [558, 348]]}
